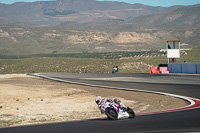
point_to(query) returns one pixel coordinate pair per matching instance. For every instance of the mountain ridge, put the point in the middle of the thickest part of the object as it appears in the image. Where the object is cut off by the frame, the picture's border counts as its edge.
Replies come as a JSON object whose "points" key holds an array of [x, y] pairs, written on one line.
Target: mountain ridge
{"points": [[63, 27], [54, 12]]}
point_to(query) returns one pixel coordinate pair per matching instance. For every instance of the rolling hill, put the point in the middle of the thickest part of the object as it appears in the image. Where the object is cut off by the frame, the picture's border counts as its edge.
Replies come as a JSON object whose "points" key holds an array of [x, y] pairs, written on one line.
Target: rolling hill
{"points": [[74, 26], [55, 12]]}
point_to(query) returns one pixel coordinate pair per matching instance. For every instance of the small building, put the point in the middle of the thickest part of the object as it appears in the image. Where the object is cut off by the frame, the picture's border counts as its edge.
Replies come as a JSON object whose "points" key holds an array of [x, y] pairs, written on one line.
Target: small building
{"points": [[173, 50]]}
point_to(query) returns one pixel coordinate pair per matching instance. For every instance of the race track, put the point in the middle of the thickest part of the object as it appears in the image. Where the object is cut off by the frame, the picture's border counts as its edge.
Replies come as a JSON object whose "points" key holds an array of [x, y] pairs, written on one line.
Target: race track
{"points": [[186, 119]]}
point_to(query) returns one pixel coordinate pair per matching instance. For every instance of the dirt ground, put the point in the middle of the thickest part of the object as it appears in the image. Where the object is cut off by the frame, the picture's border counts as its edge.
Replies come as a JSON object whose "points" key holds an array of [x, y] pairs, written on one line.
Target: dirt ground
{"points": [[31, 100]]}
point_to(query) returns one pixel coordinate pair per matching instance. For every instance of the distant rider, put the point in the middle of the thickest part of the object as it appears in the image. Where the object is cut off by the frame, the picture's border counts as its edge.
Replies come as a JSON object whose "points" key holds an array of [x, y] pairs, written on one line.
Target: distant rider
{"points": [[100, 102], [115, 69]]}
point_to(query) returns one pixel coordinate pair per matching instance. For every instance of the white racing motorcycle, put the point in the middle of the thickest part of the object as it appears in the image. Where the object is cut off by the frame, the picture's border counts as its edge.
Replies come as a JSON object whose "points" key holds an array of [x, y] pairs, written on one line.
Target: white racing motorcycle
{"points": [[113, 112]]}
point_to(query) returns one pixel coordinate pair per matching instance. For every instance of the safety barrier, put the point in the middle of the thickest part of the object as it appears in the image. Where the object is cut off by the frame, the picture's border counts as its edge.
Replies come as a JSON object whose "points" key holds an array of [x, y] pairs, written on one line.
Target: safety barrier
{"points": [[193, 68], [154, 70], [163, 70]]}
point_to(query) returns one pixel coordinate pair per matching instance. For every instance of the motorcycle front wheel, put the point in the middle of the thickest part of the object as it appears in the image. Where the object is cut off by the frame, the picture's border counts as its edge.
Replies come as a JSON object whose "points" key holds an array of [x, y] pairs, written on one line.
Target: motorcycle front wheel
{"points": [[130, 112], [111, 114]]}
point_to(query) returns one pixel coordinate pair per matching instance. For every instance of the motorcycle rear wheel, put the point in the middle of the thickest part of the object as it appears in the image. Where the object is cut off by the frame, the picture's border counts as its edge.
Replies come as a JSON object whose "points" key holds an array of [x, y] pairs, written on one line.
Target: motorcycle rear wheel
{"points": [[111, 114]]}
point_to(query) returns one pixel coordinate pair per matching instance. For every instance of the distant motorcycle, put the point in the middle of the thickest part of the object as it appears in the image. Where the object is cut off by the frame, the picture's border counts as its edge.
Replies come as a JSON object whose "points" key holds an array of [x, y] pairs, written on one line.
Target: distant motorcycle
{"points": [[113, 112]]}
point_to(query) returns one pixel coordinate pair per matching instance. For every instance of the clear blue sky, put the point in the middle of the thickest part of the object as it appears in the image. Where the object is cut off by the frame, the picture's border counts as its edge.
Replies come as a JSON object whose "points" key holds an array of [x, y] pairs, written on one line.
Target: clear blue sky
{"points": [[145, 2]]}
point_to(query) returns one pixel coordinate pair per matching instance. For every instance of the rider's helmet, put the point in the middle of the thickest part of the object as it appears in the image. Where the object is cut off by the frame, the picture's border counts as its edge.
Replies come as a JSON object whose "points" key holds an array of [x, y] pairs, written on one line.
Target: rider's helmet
{"points": [[98, 100]]}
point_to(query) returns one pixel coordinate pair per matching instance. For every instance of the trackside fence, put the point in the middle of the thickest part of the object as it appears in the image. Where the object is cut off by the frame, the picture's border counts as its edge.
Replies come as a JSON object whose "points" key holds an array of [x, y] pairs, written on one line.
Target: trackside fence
{"points": [[193, 68]]}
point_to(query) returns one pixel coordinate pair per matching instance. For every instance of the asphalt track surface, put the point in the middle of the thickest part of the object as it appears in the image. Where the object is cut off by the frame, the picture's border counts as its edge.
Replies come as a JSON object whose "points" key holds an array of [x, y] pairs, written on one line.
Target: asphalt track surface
{"points": [[186, 119]]}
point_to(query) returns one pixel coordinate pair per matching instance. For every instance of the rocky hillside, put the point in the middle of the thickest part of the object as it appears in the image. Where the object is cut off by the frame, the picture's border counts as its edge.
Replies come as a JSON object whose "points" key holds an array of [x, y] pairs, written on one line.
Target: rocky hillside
{"points": [[24, 40], [71, 26], [183, 17], [55, 12]]}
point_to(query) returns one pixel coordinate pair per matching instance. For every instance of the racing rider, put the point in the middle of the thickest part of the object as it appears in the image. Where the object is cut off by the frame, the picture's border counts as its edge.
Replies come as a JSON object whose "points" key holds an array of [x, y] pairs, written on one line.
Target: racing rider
{"points": [[100, 102]]}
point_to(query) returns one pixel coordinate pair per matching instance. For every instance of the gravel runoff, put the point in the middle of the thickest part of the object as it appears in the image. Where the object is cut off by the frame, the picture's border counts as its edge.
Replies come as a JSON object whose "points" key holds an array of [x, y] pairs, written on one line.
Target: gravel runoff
{"points": [[28, 100]]}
